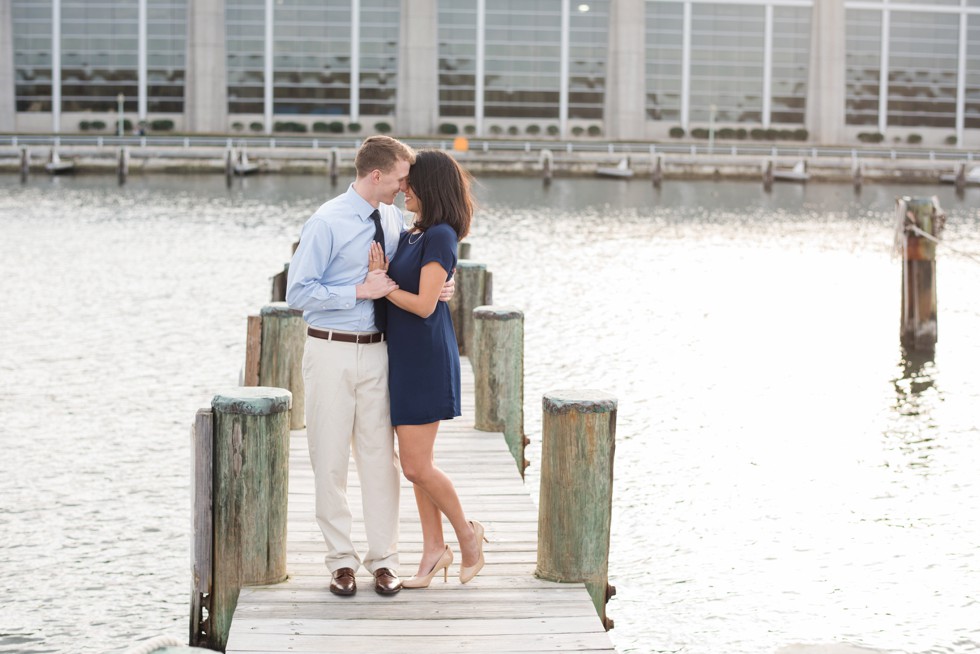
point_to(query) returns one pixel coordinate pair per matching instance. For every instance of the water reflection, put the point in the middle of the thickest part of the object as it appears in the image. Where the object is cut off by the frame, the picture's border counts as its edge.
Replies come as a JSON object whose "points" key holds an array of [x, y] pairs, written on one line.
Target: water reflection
{"points": [[914, 430]]}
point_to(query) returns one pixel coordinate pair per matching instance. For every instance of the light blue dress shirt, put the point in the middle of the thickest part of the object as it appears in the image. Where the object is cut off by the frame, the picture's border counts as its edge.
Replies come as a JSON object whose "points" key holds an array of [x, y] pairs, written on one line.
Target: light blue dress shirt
{"points": [[332, 258]]}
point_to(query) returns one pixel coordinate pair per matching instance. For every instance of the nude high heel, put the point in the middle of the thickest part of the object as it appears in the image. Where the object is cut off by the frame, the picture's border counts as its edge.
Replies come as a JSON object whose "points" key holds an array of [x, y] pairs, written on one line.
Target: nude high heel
{"points": [[466, 573], [442, 564]]}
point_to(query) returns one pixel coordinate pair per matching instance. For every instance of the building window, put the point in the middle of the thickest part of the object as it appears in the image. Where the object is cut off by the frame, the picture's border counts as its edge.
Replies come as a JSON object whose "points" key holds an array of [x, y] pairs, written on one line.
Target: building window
{"points": [[312, 57], [523, 59], [664, 59], [99, 54], [863, 66], [727, 59], [790, 64], [971, 118], [245, 42], [922, 69], [457, 58], [166, 29], [588, 38], [32, 54], [379, 56]]}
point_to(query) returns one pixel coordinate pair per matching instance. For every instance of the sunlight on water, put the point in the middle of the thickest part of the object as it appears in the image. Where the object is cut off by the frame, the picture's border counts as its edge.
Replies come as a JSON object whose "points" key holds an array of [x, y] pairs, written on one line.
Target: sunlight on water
{"points": [[783, 475]]}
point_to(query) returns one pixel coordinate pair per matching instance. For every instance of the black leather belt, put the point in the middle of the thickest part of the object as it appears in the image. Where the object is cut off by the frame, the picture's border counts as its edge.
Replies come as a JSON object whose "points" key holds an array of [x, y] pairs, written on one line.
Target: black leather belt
{"points": [[360, 339]]}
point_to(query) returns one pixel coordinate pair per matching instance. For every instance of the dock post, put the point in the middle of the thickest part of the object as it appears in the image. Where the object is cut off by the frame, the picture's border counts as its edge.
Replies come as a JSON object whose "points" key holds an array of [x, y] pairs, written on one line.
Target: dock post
{"points": [[334, 165], [122, 165], [471, 292], [857, 174], [920, 221], [251, 475], [279, 284], [657, 168], [767, 175], [464, 250], [202, 440], [281, 359], [578, 445], [547, 160], [498, 369], [229, 165], [961, 177], [25, 164]]}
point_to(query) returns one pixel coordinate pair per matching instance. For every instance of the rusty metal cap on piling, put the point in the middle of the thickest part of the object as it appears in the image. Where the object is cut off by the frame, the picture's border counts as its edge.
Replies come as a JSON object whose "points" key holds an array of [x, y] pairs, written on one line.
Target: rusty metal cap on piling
{"points": [[580, 401], [279, 309], [489, 312], [252, 400]]}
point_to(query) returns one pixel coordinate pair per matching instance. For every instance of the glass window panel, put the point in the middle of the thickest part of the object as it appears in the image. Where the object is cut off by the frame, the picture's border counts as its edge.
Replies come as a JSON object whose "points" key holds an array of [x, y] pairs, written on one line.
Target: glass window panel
{"points": [[972, 100], [166, 42], [588, 36], [379, 56], [790, 67], [245, 44], [863, 61], [664, 42], [311, 55], [32, 54], [457, 57], [922, 69]]}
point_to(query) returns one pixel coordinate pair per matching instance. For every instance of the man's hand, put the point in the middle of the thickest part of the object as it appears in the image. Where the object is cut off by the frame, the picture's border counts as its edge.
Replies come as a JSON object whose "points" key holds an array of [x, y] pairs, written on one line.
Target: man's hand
{"points": [[376, 285], [448, 290]]}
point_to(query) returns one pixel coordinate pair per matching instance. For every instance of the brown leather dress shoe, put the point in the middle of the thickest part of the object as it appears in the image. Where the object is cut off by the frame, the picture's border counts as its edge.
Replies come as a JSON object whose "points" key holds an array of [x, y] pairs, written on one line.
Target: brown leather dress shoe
{"points": [[342, 582], [386, 582]]}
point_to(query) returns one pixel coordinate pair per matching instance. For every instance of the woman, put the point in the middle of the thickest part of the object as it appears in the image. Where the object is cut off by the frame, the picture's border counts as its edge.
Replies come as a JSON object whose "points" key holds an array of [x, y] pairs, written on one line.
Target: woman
{"points": [[423, 357]]}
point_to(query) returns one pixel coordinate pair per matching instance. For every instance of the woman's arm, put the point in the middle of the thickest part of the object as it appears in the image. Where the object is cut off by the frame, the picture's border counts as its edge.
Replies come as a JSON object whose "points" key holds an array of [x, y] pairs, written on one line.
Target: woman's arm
{"points": [[431, 281]]}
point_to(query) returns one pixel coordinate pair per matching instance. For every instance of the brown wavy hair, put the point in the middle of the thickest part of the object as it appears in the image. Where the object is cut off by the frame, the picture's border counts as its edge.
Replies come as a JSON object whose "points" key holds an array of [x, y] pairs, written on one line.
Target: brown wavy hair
{"points": [[443, 191]]}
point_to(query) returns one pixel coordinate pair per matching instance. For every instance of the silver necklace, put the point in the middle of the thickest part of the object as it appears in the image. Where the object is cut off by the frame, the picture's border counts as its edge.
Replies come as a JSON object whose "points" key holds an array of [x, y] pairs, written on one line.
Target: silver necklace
{"points": [[411, 242]]}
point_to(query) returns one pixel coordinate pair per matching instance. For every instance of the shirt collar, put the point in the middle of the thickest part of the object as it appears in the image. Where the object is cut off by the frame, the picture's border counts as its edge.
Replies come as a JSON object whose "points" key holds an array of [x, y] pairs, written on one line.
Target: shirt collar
{"points": [[362, 207]]}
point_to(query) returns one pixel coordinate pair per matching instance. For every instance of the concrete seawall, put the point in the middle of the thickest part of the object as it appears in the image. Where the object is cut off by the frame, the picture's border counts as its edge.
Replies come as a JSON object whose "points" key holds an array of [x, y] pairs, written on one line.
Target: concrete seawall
{"points": [[292, 160]]}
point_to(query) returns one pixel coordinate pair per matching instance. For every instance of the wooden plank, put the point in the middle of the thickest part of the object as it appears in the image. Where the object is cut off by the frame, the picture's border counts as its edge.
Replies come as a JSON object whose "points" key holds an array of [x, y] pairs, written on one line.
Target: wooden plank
{"points": [[201, 475], [253, 351], [505, 609]]}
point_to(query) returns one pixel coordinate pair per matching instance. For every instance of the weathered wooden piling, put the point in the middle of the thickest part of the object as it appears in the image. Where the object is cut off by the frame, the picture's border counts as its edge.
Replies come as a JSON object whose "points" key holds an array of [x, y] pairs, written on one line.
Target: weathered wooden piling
{"points": [[249, 490], [960, 180], [202, 522], [279, 284], [334, 166], [473, 289], [921, 221], [25, 164], [767, 175], [547, 162], [578, 446], [122, 164], [498, 369], [656, 168], [857, 174], [280, 357], [229, 165], [464, 250]]}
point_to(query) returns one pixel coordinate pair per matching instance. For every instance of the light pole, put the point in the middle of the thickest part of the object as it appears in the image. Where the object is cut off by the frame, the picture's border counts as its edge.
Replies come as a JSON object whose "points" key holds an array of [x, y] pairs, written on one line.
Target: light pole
{"points": [[119, 118]]}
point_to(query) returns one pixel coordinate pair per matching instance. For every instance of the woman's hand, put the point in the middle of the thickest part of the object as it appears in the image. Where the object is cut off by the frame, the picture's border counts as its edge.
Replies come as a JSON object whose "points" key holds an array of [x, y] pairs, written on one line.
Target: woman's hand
{"points": [[376, 258]]}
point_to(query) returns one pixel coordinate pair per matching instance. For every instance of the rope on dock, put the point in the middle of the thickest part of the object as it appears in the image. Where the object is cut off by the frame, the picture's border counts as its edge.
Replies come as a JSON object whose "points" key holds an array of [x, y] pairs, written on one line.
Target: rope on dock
{"points": [[153, 644], [930, 237]]}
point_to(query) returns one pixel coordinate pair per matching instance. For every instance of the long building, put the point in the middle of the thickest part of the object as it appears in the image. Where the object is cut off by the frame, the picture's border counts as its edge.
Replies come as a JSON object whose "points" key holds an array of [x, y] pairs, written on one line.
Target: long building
{"points": [[829, 71]]}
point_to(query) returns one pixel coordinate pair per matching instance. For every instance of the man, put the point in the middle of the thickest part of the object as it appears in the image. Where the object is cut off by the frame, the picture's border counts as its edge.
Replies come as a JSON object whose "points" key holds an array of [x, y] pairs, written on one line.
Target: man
{"points": [[345, 363]]}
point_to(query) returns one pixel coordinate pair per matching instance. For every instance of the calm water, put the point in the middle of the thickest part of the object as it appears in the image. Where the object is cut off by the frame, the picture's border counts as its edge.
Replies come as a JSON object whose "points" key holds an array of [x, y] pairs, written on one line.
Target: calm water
{"points": [[783, 475]]}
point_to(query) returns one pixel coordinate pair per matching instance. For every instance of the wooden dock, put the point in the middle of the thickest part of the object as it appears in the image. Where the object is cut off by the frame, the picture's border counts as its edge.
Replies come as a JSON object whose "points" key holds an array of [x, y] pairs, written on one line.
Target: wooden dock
{"points": [[505, 609]]}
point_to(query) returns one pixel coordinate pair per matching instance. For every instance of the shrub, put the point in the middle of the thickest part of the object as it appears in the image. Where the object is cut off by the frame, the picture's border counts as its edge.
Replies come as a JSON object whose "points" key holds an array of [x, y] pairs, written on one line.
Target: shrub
{"points": [[448, 128], [785, 134], [320, 127], [726, 133], [470, 129], [951, 140], [741, 133], [382, 127], [354, 128], [496, 129], [871, 137], [595, 130], [288, 126], [84, 125], [127, 125], [914, 139], [757, 133], [553, 130], [336, 127], [801, 134], [256, 126], [677, 132], [513, 131], [162, 125], [578, 130], [532, 129], [772, 133], [700, 132], [237, 126]]}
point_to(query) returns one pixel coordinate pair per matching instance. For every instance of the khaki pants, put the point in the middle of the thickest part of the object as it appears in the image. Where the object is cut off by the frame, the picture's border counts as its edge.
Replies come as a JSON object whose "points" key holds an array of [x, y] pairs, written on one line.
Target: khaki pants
{"points": [[347, 403]]}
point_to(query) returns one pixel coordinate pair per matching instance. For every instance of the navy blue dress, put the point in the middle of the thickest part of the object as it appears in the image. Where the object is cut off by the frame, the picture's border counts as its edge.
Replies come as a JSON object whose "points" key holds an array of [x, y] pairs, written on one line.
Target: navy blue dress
{"points": [[423, 358]]}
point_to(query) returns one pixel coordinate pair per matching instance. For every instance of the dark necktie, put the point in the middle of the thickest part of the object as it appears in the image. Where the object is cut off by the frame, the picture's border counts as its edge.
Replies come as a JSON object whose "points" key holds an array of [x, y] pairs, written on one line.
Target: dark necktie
{"points": [[381, 304]]}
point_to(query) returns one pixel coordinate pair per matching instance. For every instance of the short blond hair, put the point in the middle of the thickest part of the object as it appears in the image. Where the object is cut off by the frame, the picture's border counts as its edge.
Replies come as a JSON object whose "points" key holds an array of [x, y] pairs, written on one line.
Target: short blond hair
{"points": [[381, 153]]}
